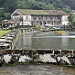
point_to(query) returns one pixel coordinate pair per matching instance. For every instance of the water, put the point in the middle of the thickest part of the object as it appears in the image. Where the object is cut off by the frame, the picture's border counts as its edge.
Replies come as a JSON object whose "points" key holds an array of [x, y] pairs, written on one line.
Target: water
{"points": [[47, 40]]}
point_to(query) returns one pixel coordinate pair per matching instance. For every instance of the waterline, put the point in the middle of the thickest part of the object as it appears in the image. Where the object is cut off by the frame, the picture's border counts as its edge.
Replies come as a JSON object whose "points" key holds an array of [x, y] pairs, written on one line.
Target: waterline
{"points": [[52, 37]]}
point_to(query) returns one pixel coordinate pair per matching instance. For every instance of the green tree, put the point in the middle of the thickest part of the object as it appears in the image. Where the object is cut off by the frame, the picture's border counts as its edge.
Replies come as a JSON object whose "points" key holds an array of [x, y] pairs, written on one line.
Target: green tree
{"points": [[10, 5], [71, 18], [1, 14], [7, 15], [50, 7], [74, 23]]}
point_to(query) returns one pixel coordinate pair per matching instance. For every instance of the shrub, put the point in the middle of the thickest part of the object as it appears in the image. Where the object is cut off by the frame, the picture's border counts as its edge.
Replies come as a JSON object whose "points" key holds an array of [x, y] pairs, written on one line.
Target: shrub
{"points": [[36, 27]]}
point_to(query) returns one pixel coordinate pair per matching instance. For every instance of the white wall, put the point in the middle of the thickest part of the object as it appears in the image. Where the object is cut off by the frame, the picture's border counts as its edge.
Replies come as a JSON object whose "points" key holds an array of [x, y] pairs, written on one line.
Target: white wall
{"points": [[15, 18], [65, 20], [26, 19], [53, 20]]}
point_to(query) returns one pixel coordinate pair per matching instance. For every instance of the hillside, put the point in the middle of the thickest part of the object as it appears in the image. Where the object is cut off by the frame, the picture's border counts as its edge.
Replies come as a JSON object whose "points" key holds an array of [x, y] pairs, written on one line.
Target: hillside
{"points": [[64, 5], [10, 5]]}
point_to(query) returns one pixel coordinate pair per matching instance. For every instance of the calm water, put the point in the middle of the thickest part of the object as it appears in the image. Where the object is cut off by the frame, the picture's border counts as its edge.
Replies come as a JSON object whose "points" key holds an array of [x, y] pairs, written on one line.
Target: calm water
{"points": [[47, 40]]}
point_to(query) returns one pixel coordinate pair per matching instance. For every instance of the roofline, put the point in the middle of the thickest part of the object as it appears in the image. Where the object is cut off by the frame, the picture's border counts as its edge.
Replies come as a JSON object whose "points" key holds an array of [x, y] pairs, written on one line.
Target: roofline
{"points": [[17, 11], [38, 14]]}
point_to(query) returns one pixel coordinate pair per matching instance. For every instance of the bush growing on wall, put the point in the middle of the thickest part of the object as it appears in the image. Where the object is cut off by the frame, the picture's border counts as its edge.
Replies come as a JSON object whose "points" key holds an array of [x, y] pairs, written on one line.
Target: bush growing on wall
{"points": [[36, 27], [74, 23]]}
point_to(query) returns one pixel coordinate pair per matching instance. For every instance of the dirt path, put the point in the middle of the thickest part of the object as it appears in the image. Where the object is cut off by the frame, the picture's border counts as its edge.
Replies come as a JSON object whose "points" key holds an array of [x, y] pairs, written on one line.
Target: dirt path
{"points": [[32, 70], [4, 72], [69, 70]]}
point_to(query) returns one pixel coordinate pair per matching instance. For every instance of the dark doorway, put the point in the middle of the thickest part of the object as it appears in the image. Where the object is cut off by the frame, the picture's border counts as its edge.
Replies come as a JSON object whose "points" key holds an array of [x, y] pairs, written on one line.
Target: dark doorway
{"points": [[44, 22], [40, 23]]}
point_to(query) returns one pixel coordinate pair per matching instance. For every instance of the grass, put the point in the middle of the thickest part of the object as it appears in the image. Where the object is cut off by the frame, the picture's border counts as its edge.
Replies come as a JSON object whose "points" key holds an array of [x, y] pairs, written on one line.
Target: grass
{"points": [[4, 72], [2, 32], [68, 70]]}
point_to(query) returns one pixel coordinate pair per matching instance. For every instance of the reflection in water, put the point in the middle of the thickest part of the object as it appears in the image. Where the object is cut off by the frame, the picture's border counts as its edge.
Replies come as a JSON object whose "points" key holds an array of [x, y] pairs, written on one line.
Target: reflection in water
{"points": [[47, 40], [64, 41], [51, 37], [26, 42]]}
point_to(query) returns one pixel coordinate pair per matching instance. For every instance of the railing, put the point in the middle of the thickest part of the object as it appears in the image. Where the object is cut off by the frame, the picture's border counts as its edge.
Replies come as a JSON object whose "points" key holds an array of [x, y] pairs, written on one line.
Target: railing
{"points": [[26, 30]]}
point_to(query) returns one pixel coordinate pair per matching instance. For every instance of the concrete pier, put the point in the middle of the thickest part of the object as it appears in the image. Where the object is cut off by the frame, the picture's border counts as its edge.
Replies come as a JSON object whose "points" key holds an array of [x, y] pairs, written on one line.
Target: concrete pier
{"points": [[16, 39], [11, 38]]}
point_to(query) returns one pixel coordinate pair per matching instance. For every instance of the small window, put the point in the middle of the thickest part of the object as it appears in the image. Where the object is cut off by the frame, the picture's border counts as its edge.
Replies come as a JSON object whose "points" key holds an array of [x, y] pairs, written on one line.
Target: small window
{"points": [[46, 17], [34, 18], [39, 18], [26, 17], [51, 18]]}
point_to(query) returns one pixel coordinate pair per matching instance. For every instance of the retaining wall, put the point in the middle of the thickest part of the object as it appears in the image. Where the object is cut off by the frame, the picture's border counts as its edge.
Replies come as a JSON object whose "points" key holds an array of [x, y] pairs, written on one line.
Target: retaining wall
{"points": [[39, 51]]}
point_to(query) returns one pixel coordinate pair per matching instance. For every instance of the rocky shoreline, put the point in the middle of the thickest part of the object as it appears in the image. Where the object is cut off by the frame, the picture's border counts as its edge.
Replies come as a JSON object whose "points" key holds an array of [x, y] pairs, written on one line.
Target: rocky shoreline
{"points": [[8, 59]]}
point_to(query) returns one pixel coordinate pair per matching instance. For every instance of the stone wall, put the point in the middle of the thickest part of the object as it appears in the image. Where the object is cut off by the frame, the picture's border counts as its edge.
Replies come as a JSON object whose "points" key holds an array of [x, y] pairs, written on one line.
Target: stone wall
{"points": [[66, 57]]}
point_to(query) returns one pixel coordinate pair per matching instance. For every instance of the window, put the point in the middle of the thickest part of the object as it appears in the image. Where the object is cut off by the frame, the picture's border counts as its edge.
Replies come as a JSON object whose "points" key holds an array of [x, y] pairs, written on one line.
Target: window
{"points": [[26, 17], [40, 23], [39, 18], [34, 18], [51, 18], [46, 17], [48, 22]]}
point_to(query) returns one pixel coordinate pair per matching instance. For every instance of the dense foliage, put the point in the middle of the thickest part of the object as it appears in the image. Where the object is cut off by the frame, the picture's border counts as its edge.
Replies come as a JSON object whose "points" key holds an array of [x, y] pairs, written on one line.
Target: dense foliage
{"points": [[10, 5], [71, 19]]}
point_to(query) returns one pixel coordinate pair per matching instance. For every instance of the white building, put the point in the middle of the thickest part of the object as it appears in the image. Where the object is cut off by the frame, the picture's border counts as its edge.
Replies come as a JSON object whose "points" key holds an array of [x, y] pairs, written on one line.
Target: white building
{"points": [[73, 11], [39, 17]]}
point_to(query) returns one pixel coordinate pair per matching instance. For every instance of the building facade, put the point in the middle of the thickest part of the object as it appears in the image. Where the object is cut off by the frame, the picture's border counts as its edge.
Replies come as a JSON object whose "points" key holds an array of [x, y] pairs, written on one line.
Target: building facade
{"points": [[73, 11], [39, 17]]}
